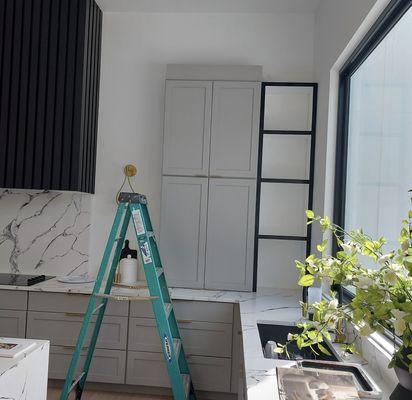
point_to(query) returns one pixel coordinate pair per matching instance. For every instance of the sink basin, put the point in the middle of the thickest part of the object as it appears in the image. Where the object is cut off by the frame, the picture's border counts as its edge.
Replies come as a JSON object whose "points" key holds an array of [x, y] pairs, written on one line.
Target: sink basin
{"points": [[279, 332]]}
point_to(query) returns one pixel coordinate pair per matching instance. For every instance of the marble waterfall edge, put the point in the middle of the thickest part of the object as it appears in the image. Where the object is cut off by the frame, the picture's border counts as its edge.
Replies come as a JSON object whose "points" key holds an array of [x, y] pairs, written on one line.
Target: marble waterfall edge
{"points": [[44, 232]]}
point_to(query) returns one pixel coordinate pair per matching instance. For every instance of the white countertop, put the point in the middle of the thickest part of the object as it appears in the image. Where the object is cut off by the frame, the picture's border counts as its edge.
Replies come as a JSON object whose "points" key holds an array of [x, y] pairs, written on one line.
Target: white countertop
{"points": [[267, 305]]}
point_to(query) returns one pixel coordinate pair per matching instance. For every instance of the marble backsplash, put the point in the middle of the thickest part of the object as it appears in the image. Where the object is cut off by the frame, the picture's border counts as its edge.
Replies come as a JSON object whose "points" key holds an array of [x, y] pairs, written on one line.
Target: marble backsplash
{"points": [[44, 232]]}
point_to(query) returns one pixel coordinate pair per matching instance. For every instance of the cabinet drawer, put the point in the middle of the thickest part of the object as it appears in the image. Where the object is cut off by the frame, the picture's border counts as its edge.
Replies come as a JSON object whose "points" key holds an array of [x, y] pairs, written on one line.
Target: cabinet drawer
{"points": [[199, 338], [12, 323], [73, 303], [63, 330], [208, 373], [13, 300], [107, 365], [188, 311]]}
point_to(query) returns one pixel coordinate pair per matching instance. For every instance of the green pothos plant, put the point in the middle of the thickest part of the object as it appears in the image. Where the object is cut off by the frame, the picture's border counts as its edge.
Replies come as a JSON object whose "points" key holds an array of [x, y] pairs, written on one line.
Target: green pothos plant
{"points": [[382, 296]]}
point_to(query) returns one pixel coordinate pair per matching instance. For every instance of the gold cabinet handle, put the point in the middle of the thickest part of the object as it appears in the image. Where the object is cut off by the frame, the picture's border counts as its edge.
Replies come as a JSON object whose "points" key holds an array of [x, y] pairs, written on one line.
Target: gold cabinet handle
{"points": [[184, 321], [74, 314]]}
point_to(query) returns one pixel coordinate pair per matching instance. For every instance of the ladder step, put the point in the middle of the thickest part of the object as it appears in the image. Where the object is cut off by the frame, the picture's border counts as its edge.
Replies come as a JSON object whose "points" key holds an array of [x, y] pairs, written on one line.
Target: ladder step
{"points": [[186, 384], [168, 307], [125, 298], [159, 272], [150, 234], [76, 381], [130, 286], [177, 344]]}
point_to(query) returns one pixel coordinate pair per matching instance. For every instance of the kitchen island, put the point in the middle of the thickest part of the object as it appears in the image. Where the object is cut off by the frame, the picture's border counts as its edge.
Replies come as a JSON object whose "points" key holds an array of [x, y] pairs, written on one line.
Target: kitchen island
{"points": [[25, 376]]}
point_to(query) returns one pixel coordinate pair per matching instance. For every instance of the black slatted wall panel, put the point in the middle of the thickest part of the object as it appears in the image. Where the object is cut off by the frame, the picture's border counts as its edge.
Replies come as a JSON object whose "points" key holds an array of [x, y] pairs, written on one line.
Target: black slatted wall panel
{"points": [[49, 92]]}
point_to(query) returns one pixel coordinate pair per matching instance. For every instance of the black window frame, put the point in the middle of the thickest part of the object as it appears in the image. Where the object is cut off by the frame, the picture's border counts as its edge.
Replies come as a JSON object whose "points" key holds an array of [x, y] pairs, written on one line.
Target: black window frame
{"points": [[379, 30]]}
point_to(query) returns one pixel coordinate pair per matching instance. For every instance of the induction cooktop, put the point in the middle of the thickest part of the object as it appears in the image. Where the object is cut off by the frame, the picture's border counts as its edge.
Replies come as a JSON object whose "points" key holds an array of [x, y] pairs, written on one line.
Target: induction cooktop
{"points": [[22, 280]]}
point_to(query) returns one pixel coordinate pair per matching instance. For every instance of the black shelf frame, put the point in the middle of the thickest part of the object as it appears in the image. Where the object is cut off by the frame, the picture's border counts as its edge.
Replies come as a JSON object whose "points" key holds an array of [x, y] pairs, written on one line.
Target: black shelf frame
{"points": [[260, 179]]}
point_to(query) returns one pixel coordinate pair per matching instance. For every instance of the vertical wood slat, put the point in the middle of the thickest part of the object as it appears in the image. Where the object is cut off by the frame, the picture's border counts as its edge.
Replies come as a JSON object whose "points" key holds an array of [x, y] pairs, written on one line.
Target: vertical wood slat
{"points": [[41, 94], [32, 93], [20, 153], [14, 92], [60, 102], [5, 83], [50, 60], [49, 133], [96, 100], [69, 93]]}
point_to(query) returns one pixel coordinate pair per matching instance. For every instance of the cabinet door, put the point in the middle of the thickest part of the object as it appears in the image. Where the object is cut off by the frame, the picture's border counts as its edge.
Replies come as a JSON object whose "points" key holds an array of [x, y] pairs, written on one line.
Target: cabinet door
{"points": [[235, 129], [187, 128], [230, 229], [183, 230], [12, 323]]}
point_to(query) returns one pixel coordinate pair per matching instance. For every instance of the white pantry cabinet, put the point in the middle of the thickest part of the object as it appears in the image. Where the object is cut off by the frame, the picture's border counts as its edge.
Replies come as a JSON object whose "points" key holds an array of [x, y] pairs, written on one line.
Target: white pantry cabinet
{"points": [[187, 127], [210, 151], [230, 230]]}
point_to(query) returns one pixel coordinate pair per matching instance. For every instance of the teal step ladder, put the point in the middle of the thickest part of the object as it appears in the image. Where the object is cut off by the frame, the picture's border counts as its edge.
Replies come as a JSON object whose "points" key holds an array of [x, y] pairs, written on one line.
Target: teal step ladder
{"points": [[132, 206]]}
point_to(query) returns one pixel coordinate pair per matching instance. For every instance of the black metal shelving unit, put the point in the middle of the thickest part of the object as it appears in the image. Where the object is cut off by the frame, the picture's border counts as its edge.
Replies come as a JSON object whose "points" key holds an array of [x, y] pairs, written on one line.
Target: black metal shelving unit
{"points": [[260, 179]]}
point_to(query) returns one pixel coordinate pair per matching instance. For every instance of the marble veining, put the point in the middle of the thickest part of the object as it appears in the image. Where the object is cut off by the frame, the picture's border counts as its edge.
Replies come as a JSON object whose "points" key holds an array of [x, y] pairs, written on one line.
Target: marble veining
{"points": [[44, 232]]}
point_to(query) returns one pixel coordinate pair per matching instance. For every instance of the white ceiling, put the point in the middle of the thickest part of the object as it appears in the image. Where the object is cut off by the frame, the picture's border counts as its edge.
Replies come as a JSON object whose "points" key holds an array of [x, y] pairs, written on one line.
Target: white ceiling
{"points": [[213, 6]]}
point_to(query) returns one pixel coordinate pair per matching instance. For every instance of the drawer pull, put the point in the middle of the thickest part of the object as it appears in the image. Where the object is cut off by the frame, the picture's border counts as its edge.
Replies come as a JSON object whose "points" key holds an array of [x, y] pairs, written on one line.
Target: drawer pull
{"points": [[184, 321], [67, 347], [74, 314]]}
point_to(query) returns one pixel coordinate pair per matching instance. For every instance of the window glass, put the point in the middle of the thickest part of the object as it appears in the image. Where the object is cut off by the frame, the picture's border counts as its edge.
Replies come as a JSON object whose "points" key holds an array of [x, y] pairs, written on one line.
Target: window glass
{"points": [[379, 170]]}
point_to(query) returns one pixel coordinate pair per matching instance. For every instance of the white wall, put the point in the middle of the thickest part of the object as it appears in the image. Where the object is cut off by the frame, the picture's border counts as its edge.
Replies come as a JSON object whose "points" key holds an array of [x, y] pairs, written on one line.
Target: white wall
{"points": [[335, 24], [135, 51]]}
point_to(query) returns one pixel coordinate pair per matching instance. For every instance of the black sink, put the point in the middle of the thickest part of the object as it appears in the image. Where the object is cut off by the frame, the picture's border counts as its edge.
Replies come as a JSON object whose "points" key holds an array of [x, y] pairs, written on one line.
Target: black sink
{"points": [[279, 334]]}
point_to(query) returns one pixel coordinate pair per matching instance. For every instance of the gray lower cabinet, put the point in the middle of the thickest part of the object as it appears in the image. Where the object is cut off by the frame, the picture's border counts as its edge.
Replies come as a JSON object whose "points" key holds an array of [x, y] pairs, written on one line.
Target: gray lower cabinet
{"points": [[13, 306], [128, 349], [73, 303], [107, 366], [13, 300], [63, 329], [12, 323], [212, 339], [188, 310], [183, 230], [235, 129], [230, 232], [208, 373]]}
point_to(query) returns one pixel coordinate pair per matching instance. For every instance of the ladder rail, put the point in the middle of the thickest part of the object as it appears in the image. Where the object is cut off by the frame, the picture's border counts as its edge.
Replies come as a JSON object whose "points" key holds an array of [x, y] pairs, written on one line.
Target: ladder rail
{"points": [[104, 300], [151, 265], [91, 305]]}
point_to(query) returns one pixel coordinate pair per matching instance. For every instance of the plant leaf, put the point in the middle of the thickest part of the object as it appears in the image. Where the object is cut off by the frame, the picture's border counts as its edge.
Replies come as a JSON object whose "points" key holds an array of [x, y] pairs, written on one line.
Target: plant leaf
{"points": [[306, 280], [324, 350]]}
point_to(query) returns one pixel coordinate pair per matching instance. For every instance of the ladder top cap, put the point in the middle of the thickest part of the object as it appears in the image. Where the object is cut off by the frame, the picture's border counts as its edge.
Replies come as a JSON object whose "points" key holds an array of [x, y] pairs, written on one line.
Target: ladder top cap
{"points": [[132, 198]]}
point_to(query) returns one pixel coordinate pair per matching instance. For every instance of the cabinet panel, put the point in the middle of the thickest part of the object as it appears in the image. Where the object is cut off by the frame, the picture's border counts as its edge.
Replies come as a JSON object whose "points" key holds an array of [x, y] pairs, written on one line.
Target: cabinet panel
{"points": [[230, 235], [183, 230], [208, 373], [188, 310], [235, 129], [72, 303], [199, 338], [63, 329], [187, 127], [107, 366], [12, 323], [13, 300]]}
